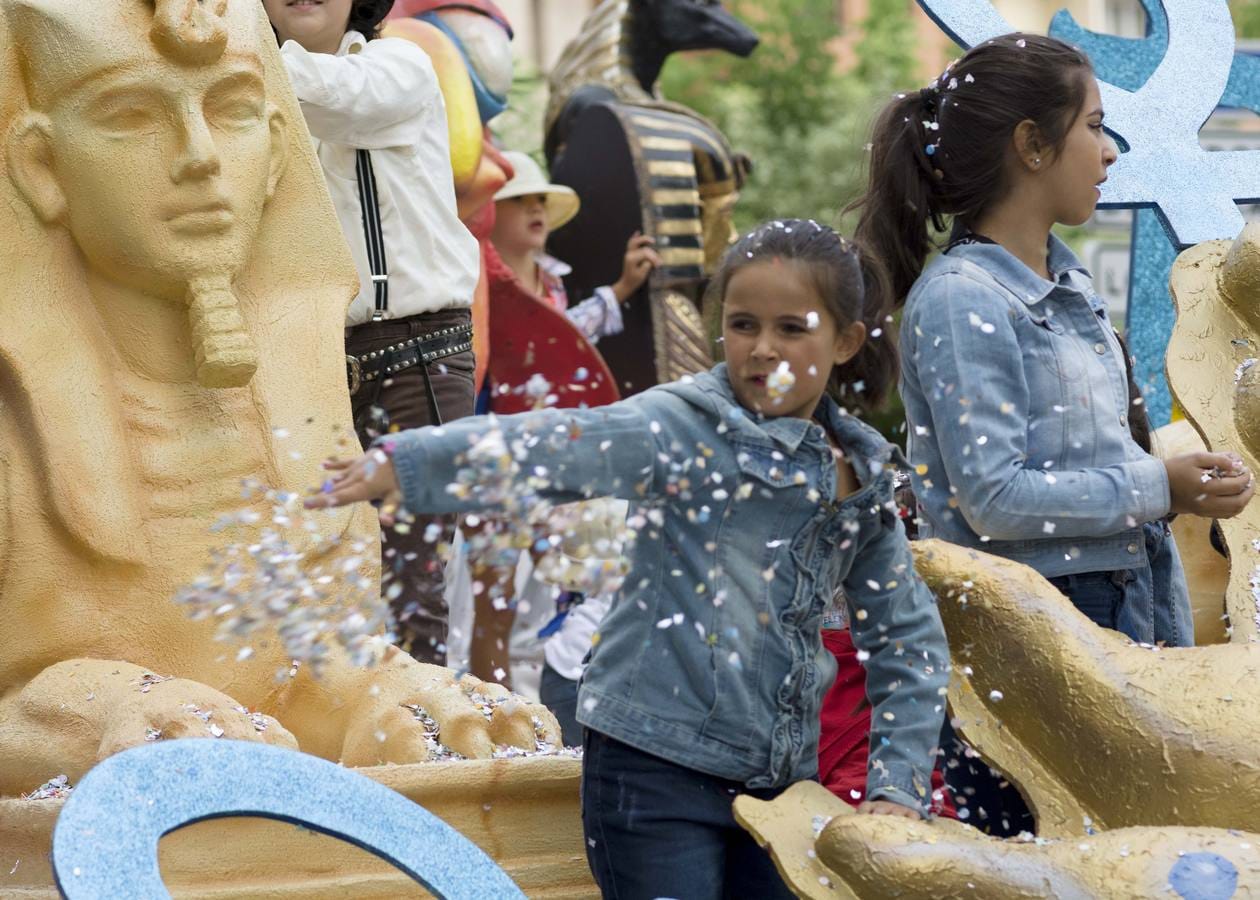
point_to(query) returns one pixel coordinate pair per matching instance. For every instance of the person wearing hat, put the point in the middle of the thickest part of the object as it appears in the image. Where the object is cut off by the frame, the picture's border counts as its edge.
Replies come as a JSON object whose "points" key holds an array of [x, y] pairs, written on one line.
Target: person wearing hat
{"points": [[527, 209]]}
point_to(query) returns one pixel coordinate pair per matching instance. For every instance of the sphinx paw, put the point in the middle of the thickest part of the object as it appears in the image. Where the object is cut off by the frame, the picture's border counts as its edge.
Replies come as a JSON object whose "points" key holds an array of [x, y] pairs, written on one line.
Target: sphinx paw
{"points": [[421, 712], [166, 709]]}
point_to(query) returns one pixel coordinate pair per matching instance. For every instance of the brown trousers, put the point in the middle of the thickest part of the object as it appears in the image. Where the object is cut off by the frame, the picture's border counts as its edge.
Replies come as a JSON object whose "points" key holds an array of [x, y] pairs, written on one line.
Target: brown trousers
{"points": [[397, 403]]}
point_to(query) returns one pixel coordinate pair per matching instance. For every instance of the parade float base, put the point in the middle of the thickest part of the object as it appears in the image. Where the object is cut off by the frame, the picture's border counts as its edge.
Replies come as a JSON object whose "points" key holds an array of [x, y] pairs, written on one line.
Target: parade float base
{"points": [[523, 812]]}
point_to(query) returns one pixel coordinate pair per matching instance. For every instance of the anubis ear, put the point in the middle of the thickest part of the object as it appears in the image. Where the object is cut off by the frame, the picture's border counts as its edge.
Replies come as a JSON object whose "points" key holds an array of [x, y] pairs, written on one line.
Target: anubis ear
{"points": [[29, 153]]}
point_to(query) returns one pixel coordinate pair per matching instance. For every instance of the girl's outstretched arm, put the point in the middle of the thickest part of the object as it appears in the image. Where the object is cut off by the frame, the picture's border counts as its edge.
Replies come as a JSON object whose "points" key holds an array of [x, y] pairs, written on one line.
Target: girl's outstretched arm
{"points": [[507, 463]]}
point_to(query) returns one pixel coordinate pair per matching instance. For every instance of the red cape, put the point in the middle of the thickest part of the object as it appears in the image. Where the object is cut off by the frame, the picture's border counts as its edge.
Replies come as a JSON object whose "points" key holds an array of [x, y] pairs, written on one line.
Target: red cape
{"points": [[528, 336]]}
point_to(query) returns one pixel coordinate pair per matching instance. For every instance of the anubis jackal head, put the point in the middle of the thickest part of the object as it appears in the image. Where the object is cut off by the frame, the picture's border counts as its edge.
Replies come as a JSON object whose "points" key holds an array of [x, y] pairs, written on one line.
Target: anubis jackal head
{"points": [[695, 25]]}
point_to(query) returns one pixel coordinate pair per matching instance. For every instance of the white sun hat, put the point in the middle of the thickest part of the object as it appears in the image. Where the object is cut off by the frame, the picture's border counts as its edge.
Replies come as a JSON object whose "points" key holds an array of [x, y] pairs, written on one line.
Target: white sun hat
{"points": [[562, 200]]}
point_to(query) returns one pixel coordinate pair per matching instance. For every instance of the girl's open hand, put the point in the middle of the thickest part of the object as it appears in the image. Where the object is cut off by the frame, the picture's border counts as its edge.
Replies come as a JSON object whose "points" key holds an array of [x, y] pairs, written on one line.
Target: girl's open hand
{"points": [[886, 808], [369, 477]]}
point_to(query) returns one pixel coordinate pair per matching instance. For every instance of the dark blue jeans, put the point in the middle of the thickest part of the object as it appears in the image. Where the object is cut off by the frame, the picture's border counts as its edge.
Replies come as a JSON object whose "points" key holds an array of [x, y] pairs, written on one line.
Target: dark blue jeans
{"points": [[659, 830], [1148, 603], [559, 695]]}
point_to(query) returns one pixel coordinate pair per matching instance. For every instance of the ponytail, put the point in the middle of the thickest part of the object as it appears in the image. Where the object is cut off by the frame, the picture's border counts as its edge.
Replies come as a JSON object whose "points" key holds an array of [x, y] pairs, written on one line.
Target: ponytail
{"points": [[904, 189], [865, 381]]}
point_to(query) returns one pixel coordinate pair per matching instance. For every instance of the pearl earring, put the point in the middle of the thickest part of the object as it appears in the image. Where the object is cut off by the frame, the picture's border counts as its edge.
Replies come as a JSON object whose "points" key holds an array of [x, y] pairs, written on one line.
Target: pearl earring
{"points": [[1037, 161]]}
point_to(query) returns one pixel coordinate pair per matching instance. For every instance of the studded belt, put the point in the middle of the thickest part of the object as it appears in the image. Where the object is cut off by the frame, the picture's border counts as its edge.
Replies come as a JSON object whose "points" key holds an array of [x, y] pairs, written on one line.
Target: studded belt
{"points": [[420, 350]]}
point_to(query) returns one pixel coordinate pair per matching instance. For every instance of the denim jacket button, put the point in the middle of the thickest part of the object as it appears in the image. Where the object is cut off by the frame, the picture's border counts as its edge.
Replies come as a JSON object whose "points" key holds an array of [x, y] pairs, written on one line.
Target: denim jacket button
{"points": [[1100, 348], [1124, 421], [1132, 548]]}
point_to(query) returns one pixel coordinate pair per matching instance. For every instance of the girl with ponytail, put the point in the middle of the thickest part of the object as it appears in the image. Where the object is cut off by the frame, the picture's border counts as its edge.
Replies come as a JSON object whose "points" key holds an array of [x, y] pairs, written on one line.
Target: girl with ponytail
{"points": [[1026, 433]]}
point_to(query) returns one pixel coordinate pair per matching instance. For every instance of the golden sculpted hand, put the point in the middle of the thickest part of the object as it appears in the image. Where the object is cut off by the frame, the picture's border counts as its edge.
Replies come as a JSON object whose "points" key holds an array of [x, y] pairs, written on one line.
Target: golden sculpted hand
{"points": [[411, 708], [75, 713]]}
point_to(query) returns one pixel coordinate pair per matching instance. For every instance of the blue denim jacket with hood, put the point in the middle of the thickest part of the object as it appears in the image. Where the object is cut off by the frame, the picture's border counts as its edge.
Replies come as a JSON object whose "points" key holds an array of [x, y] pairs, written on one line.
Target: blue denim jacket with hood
{"points": [[711, 656], [1017, 403]]}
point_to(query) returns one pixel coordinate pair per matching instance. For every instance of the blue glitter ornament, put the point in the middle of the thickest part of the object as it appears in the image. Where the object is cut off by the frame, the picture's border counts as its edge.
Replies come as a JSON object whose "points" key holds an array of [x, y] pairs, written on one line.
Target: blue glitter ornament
{"points": [[105, 844], [1203, 876]]}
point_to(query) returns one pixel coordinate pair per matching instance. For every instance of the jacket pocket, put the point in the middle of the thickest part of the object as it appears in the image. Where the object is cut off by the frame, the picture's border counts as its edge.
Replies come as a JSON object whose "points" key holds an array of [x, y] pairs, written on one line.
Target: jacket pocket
{"points": [[767, 466], [1060, 352]]}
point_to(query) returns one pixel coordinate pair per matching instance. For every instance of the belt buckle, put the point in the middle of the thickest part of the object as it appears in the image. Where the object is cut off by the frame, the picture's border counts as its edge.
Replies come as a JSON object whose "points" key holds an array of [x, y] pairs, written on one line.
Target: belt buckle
{"points": [[354, 373]]}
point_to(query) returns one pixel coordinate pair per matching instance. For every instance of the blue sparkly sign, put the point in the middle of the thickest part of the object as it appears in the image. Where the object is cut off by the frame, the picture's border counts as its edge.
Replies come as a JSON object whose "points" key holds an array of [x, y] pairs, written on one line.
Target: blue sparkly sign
{"points": [[105, 845], [1157, 91]]}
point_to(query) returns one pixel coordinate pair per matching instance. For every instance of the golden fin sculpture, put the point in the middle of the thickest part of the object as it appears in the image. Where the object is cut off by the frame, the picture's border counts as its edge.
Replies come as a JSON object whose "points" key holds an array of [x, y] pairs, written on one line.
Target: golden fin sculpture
{"points": [[825, 851], [1096, 731], [1214, 373]]}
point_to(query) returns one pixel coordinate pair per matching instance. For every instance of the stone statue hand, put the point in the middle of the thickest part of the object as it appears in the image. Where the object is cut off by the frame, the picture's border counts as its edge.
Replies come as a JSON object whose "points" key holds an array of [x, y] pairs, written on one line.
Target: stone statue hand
{"points": [[75, 713], [413, 712], [180, 708]]}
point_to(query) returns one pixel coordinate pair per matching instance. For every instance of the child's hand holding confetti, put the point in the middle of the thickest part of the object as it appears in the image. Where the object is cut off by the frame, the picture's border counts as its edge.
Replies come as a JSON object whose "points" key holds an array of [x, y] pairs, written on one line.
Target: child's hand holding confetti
{"points": [[369, 477]]}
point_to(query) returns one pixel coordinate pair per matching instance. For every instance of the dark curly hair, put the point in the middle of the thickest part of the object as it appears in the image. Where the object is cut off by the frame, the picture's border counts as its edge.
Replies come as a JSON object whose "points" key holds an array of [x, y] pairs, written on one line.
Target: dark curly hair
{"points": [[366, 16]]}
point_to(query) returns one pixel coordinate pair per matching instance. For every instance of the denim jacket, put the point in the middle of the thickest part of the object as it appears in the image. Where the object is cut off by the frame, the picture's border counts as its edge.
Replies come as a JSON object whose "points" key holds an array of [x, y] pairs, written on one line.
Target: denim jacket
{"points": [[711, 656], [1017, 401]]}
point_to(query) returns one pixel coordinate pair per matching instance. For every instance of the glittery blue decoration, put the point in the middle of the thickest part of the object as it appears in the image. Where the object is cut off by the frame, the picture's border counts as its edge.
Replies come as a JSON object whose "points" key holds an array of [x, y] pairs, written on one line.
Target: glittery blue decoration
{"points": [[1127, 63], [1164, 167], [1157, 90], [106, 840], [1151, 312], [1203, 876]]}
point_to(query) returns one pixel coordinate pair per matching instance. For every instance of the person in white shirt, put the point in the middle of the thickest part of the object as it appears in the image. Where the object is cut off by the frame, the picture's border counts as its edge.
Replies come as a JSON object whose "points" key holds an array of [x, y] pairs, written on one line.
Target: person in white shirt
{"points": [[375, 110]]}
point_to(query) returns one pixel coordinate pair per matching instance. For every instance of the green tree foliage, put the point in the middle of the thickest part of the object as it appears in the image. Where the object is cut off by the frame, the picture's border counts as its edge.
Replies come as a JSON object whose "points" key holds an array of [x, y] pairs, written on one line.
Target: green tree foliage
{"points": [[520, 126], [1246, 17], [790, 107]]}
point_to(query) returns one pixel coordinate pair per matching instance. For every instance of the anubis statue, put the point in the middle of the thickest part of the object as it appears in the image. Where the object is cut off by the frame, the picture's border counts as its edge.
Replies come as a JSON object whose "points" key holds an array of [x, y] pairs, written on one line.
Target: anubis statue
{"points": [[642, 163]]}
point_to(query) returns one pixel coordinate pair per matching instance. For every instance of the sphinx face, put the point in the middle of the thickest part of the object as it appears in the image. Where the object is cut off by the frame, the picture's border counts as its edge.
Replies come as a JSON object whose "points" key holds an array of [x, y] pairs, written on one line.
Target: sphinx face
{"points": [[164, 169]]}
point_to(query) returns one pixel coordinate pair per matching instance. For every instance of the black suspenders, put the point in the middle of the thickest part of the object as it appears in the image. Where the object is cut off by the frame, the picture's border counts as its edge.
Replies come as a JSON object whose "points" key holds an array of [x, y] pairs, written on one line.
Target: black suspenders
{"points": [[374, 237], [370, 206]]}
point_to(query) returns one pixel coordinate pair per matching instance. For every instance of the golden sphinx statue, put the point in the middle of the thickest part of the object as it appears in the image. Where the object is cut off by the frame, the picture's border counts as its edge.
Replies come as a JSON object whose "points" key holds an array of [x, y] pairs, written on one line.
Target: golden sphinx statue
{"points": [[1132, 758], [175, 289]]}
